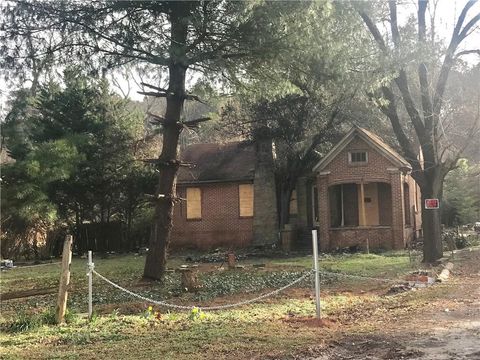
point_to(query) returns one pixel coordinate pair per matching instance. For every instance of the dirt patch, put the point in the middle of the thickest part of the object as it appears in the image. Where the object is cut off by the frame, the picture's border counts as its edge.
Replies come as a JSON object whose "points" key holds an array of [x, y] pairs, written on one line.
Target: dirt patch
{"points": [[27, 293], [122, 308], [360, 347], [311, 322], [445, 328]]}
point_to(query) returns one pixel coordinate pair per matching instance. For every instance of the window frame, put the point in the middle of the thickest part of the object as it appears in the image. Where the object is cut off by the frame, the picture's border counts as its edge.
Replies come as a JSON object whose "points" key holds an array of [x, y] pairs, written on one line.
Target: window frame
{"points": [[352, 162]]}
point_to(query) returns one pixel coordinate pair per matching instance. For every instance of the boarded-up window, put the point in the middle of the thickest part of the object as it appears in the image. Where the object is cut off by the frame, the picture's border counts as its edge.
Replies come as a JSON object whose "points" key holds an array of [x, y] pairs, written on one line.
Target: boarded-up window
{"points": [[245, 193], [194, 203], [293, 203]]}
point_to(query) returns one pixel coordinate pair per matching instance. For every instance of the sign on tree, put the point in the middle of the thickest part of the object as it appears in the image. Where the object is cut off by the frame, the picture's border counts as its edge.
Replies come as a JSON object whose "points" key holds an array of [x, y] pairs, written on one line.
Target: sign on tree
{"points": [[432, 203]]}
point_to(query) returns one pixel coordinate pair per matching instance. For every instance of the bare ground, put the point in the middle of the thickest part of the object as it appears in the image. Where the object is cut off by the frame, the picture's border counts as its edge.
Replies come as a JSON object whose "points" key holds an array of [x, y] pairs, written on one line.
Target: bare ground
{"points": [[447, 328]]}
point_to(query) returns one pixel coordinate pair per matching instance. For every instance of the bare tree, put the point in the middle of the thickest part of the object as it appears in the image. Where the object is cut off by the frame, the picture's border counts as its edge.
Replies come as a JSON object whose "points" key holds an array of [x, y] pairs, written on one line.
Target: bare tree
{"points": [[424, 108]]}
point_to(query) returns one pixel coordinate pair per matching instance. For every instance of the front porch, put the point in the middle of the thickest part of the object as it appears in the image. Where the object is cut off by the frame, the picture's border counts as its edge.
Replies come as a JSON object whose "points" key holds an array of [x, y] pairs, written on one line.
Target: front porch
{"points": [[360, 213]]}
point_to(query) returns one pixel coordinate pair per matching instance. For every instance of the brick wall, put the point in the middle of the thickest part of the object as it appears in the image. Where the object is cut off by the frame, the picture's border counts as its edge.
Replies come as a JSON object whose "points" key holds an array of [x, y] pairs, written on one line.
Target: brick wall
{"points": [[221, 224], [374, 170], [378, 238]]}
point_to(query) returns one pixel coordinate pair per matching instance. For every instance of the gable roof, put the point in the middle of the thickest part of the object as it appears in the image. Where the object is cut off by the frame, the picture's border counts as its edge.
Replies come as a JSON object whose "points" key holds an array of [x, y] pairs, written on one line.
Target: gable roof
{"points": [[233, 161], [373, 140]]}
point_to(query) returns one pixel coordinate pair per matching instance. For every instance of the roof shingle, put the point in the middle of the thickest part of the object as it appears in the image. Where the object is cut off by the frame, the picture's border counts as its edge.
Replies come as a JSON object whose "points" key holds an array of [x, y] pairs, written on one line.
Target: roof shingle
{"points": [[231, 161]]}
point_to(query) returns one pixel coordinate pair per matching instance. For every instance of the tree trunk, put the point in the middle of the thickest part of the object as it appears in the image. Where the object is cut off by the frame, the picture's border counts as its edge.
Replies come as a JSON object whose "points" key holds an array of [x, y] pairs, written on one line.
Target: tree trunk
{"points": [[285, 195], [128, 236], [156, 259], [431, 218]]}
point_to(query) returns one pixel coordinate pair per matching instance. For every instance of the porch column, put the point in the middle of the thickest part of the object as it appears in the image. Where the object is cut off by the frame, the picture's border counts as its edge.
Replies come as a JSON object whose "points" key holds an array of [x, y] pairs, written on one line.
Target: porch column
{"points": [[362, 218], [324, 213], [398, 223]]}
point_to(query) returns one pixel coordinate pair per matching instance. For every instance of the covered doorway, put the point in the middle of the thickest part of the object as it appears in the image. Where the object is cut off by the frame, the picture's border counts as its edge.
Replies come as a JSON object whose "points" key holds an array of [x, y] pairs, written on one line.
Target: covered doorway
{"points": [[360, 205]]}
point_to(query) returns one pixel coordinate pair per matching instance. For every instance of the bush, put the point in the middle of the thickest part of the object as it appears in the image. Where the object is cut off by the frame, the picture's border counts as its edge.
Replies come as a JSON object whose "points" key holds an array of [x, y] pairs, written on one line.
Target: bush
{"points": [[48, 317], [462, 242], [453, 240], [23, 322], [26, 322], [70, 316]]}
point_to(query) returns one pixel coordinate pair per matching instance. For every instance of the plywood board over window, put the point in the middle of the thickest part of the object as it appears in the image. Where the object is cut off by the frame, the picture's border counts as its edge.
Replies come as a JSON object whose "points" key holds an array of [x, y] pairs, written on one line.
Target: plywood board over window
{"points": [[245, 194], [194, 203]]}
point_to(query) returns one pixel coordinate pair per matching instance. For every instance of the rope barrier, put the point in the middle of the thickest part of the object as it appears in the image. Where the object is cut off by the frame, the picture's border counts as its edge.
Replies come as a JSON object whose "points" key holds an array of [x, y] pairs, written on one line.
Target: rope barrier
{"points": [[241, 303], [357, 276], [207, 308], [31, 266]]}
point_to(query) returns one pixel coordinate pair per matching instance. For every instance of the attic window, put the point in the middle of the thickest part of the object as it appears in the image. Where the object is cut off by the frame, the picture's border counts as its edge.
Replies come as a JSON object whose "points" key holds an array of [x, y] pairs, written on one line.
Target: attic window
{"points": [[357, 157]]}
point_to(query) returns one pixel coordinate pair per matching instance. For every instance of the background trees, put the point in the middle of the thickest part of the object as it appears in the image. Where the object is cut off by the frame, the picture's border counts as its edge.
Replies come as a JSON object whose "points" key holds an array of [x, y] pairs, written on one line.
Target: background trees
{"points": [[74, 159], [412, 95], [208, 36], [308, 59], [462, 195]]}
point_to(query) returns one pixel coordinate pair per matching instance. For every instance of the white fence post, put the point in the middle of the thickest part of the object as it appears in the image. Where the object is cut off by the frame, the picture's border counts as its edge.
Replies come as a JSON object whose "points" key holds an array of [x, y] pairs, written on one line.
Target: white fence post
{"points": [[90, 283], [317, 274]]}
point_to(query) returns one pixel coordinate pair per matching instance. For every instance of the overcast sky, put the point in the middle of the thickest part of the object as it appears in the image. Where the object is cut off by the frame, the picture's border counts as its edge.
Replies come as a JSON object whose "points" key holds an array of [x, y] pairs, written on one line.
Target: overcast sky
{"points": [[446, 16]]}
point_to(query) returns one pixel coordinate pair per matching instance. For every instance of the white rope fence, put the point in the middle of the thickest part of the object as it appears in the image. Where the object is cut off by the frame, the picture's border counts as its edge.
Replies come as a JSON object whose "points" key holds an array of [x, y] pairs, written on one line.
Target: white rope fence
{"points": [[32, 266], [361, 277], [207, 308], [241, 303], [316, 271]]}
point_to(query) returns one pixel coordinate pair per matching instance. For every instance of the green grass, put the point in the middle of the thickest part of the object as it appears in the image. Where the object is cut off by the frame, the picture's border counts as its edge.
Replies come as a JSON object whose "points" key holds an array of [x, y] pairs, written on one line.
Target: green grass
{"points": [[243, 333], [247, 332], [390, 264], [127, 271]]}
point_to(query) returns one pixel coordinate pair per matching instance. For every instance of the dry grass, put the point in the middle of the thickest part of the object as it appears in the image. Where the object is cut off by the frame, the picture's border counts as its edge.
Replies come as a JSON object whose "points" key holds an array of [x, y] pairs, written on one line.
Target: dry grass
{"points": [[273, 328]]}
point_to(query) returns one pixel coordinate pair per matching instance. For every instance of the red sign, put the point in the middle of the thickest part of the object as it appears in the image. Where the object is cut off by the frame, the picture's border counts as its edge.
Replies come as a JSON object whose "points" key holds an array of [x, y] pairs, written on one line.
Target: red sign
{"points": [[432, 204]]}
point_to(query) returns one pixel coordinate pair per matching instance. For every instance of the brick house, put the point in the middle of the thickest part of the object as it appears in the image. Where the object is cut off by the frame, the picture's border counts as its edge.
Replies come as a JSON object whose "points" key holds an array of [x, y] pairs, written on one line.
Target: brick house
{"points": [[360, 192], [230, 197]]}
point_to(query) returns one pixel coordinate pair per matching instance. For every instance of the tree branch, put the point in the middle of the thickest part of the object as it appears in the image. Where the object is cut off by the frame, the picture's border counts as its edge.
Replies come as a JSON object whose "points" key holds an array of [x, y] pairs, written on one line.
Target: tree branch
{"points": [[377, 36], [467, 52], [422, 72], [159, 89], [393, 22], [194, 123], [456, 39], [151, 93], [390, 111]]}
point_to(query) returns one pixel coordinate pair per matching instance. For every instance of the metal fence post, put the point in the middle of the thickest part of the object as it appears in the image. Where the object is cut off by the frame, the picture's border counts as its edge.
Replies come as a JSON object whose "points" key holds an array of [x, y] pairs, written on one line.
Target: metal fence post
{"points": [[317, 274], [90, 283]]}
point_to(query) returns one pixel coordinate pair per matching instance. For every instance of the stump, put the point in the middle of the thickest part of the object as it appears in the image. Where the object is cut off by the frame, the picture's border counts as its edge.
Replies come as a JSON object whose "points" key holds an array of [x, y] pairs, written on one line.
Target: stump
{"points": [[287, 238], [231, 260], [190, 280]]}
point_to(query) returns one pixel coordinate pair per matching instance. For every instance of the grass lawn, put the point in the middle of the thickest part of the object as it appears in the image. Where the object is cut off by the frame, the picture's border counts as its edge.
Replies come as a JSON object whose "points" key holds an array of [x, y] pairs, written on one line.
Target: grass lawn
{"points": [[124, 328]]}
